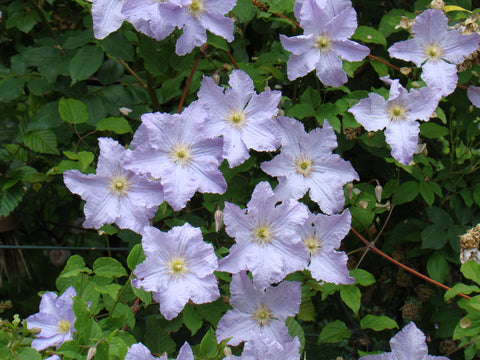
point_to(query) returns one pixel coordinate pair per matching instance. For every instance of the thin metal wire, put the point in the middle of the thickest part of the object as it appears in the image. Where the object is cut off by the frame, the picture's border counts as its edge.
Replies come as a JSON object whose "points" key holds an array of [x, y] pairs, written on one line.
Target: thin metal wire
{"points": [[75, 248]]}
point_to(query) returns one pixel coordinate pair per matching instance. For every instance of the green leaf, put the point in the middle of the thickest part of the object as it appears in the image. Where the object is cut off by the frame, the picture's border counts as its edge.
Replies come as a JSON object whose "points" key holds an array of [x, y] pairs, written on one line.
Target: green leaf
{"points": [[432, 130], [471, 270], [191, 319], [439, 217], [434, 237], [118, 125], [301, 111], [85, 158], [11, 88], [351, 296], [10, 198], [28, 353], [217, 41], [460, 289], [135, 257], [85, 63], [72, 111], [42, 141], [362, 277], [208, 345], [243, 9], [307, 310], [108, 267], [334, 332], [369, 35], [437, 267], [407, 191], [294, 329], [427, 192], [377, 323]]}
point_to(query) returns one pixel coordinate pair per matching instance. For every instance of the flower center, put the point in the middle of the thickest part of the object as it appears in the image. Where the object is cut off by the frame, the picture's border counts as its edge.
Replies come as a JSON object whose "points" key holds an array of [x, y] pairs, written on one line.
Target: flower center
{"points": [[263, 234], [304, 165], [433, 52], [63, 327], [236, 119], [196, 8], [323, 43], [181, 155], [119, 185], [177, 267], [263, 315], [397, 112], [313, 244]]}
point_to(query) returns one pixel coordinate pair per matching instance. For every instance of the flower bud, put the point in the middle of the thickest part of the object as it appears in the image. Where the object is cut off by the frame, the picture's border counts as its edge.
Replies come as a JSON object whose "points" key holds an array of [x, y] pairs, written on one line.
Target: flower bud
{"points": [[465, 323], [218, 216], [125, 111], [227, 352], [378, 192], [91, 353], [216, 78], [363, 204], [349, 190], [281, 112]]}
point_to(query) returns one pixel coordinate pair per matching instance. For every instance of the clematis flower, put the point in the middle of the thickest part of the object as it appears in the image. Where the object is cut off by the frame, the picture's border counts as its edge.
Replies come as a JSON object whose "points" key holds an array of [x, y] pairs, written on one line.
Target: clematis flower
{"points": [[324, 43], [152, 17], [306, 163], [177, 150], [178, 267], [321, 240], [437, 49], [198, 16], [331, 7], [473, 94], [141, 352], [241, 116], [55, 320], [267, 237], [398, 115], [409, 344], [114, 194], [255, 310], [261, 347], [107, 17], [53, 357]]}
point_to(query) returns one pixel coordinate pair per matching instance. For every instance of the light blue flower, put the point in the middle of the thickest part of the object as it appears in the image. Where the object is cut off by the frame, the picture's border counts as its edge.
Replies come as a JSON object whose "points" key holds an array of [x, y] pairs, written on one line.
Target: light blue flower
{"points": [[140, 352]]}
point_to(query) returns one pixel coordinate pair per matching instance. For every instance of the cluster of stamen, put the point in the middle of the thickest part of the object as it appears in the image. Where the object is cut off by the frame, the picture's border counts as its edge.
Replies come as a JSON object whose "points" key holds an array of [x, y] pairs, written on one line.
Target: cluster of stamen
{"points": [[263, 315], [323, 43], [433, 52], [313, 244], [304, 165], [236, 119], [397, 112], [63, 327], [181, 155], [263, 234], [196, 8], [177, 267], [119, 185]]}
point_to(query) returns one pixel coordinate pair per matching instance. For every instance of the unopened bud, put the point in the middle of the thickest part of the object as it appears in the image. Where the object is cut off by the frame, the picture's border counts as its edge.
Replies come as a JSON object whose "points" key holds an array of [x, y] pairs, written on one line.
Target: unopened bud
{"points": [[281, 112], [405, 23], [363, 204], [16, 319], [465, 323], [227, 352], [216, 78], [91, 353], [437, 4], [218, 216], [349, 190], [406, 70], [378, 193], [125, 111]]}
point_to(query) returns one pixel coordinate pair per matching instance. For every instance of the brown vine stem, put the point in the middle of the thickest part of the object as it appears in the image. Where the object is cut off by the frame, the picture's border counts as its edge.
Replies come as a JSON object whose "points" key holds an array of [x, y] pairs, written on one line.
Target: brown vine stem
{"points": [[372, 247], [373, 57], [134, 74], [187, 85], [232, 60], [45, 23]]}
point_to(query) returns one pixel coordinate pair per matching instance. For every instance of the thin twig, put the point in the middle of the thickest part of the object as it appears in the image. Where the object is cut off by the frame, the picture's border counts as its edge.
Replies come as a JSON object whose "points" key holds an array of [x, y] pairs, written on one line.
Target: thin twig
{"points": [[373, 57], [44, 20], [232, 59], [266, 8], [130, 70], [399, 264]]}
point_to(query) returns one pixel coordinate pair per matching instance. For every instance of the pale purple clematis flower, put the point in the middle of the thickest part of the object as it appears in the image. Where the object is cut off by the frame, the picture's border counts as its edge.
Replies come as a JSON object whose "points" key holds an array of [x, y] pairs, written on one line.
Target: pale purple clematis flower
{"points": [[324, 43], [53, 357], [473, 94], [107, 17], [322, 234], [255, 310], [55, 320], [178, 267], [408, 344], [398, 115], [152, 17], [260, 347], [331, 7], [140, 352], [198, 16], [177, 150], [243, 117], [306, 162], [437, 49], [267, 237], [114, 194]]}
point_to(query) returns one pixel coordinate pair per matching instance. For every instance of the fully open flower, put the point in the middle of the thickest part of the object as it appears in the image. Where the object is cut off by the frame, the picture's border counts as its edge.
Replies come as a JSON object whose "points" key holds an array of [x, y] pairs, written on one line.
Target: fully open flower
{"points": [[55, 320], [261, 347], [114, 194], [256, 310], [398, 115], [306, 162], [107, 16], [437, 49], [141, 352], [408, 344], [178, 267], [242, 117], [325, 41], [267, 237], [177, 150]]}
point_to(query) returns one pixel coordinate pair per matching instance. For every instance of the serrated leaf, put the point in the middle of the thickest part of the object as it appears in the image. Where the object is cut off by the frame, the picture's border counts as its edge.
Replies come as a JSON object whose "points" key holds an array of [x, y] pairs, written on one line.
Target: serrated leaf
{"points": [[42, 141], [118, 125], [72, 111], [333, 332], [10, 198], [377, 323]]}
